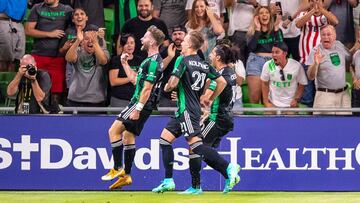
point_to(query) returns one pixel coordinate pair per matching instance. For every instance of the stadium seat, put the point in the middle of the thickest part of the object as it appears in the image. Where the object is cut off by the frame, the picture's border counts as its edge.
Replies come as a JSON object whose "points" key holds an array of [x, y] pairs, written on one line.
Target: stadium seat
{"points": [[5, 79], [109, 25], [245, 93], [251, 105]]}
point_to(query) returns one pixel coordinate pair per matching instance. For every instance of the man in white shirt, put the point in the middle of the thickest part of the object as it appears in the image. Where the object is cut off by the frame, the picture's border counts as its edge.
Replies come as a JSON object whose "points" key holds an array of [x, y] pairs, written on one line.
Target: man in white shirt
{"points": [[283, 79]]}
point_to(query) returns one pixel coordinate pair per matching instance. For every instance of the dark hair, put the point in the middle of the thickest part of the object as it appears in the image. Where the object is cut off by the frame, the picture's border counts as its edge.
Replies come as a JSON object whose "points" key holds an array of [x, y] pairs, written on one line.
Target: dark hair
{"points": [[78, 8], [226, 53], [137, 1], [124, 38]]}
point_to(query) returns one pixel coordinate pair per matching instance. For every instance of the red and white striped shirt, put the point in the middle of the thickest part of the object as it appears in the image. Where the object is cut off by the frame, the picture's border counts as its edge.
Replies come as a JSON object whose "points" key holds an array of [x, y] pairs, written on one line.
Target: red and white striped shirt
{"points": [[310, 34]]}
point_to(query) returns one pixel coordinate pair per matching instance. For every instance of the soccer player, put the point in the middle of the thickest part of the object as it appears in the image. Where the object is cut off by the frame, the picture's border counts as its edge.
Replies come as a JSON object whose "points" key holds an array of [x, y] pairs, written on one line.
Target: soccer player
{"points": [[132, 119], [219, 121], [188, 76]]}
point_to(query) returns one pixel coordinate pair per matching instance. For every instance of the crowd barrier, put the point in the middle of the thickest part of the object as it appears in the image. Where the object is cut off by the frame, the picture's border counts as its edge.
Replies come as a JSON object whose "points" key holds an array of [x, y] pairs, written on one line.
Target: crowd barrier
{"points": [[69, 152]]}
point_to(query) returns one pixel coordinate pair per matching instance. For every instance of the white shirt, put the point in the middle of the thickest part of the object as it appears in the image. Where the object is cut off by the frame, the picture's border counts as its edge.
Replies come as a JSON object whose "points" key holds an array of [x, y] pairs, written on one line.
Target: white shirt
{"points": [[281, 93], [242, 11], [240, 71]]}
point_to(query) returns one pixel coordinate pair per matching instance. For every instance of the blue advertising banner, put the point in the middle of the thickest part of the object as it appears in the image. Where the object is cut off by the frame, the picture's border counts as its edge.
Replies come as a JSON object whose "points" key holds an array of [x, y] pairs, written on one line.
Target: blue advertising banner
{"points": [[275, 153]]}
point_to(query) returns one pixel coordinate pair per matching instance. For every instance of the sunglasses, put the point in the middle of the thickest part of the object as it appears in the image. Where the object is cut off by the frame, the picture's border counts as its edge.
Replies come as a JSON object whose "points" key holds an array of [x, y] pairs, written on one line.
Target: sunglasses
{"points": [[282, 75]]}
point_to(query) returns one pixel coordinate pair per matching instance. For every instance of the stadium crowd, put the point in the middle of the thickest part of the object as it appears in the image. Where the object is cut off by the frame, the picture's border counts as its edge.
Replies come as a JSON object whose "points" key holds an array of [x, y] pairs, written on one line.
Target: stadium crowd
{"points": [[291, 53]]}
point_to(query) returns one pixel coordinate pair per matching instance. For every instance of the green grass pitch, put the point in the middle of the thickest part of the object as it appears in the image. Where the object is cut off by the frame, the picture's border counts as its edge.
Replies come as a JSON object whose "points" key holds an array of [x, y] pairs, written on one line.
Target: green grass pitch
{"points": [[173, 197]]}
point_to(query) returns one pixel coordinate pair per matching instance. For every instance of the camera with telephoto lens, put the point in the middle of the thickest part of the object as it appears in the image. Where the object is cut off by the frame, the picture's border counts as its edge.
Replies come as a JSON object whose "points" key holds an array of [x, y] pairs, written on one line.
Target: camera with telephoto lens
{"points": [[31, 69]]}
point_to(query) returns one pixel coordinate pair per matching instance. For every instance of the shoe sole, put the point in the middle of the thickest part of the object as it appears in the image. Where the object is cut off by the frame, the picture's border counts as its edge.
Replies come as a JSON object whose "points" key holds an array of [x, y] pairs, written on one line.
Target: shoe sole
{"points": [[237, 177], [119, 185], [120, 174], [162, 191]]}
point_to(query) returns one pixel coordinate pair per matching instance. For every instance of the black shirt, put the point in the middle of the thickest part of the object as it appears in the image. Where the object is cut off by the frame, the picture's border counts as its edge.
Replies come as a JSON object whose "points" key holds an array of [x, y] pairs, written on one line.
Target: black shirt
{"points": [[124, 91], [94, 10], [262, 42], [221, 108], [192, 72], [138, 28], [26, 94]]}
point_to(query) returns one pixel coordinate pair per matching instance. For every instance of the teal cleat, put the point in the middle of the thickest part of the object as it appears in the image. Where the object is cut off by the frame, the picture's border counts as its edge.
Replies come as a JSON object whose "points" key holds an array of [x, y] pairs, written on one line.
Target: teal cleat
{"points": [[167, 184], [191, 191], [232, 171]]}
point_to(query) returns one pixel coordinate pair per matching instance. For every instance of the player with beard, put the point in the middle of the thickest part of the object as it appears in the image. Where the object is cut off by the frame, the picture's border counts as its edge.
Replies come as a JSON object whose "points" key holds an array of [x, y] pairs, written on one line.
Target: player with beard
{"points": [[132, 119], [138, 26]]}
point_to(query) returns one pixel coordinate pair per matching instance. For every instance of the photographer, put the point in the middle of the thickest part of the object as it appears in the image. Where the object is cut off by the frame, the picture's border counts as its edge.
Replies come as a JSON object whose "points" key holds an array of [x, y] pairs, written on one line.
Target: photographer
{"points": [[32, 85]]}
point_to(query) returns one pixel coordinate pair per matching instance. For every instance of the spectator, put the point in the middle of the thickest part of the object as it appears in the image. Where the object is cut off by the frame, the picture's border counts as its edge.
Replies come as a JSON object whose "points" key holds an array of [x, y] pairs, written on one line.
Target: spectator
{"points": [[169, 58], [138, 26], [343, 10], [121, 87], [289, 10], [204, 20], [32, 87], [80, 21], [261, 36], [240, 77], [88, 85], [238, 28], [31, 3], [216, 6], [327, 65], [283, 79], [12, 37], [171, 12], [355, 73], [310, 23], [94, 9], [46, 24]]}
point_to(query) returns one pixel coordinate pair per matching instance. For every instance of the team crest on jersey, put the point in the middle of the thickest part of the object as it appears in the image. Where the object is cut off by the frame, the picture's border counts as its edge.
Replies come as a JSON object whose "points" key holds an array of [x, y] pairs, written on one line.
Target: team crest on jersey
{"points": [[289, 76], [335, 59]]}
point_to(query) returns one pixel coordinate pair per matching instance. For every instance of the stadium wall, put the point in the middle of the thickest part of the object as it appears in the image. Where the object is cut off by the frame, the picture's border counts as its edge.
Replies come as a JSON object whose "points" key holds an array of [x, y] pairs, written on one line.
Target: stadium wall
{"points": [[275, 153]]}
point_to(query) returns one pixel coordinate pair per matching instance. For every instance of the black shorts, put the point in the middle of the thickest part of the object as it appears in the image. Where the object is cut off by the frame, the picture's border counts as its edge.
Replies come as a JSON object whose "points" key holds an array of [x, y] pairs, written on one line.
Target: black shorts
{"points": [[186, 124], [212, 134], [133, 126]]}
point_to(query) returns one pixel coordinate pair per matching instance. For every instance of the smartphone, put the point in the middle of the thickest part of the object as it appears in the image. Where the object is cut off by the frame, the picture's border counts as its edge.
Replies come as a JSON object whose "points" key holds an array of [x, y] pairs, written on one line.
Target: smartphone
{"points": [[278, 4]]}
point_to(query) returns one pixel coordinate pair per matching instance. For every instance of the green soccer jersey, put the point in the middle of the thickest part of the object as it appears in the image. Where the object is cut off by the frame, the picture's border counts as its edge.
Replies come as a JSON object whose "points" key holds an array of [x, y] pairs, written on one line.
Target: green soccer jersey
{"points": [[150, 70], [221, 108], [192, 72]]}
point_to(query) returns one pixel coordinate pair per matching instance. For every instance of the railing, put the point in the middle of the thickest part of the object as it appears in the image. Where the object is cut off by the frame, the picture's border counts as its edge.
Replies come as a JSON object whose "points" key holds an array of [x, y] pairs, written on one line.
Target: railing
{"points": [[169, 110]]}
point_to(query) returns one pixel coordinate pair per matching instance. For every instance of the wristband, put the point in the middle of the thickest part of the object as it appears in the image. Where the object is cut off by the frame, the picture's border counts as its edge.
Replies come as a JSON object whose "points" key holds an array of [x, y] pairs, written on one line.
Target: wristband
{"points": [[139, 106]]}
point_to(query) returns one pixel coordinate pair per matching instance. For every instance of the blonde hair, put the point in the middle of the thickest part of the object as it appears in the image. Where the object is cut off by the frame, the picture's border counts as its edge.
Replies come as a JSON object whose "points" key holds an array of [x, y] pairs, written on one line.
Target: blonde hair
{"points": [[157, 34]]}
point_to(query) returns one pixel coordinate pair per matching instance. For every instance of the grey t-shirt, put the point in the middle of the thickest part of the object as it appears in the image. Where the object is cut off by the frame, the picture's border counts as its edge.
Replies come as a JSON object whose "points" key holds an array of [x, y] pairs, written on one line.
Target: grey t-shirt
{"points": [[88, 84], [331, 72], [49, 19], [356, 63], [171, 12]]}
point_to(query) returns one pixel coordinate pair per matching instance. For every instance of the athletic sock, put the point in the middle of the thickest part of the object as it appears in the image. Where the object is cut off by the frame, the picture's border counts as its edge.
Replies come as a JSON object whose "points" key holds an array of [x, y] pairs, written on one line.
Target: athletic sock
{"points": [[211, 157], [195, 168], [117, 151], [168, 157], [129, 155]]}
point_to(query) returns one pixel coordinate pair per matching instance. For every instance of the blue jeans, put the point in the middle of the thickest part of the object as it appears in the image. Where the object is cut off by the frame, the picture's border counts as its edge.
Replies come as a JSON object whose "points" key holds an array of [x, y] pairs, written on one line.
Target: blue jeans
{"points": [[254, 64], [309, 91]]}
